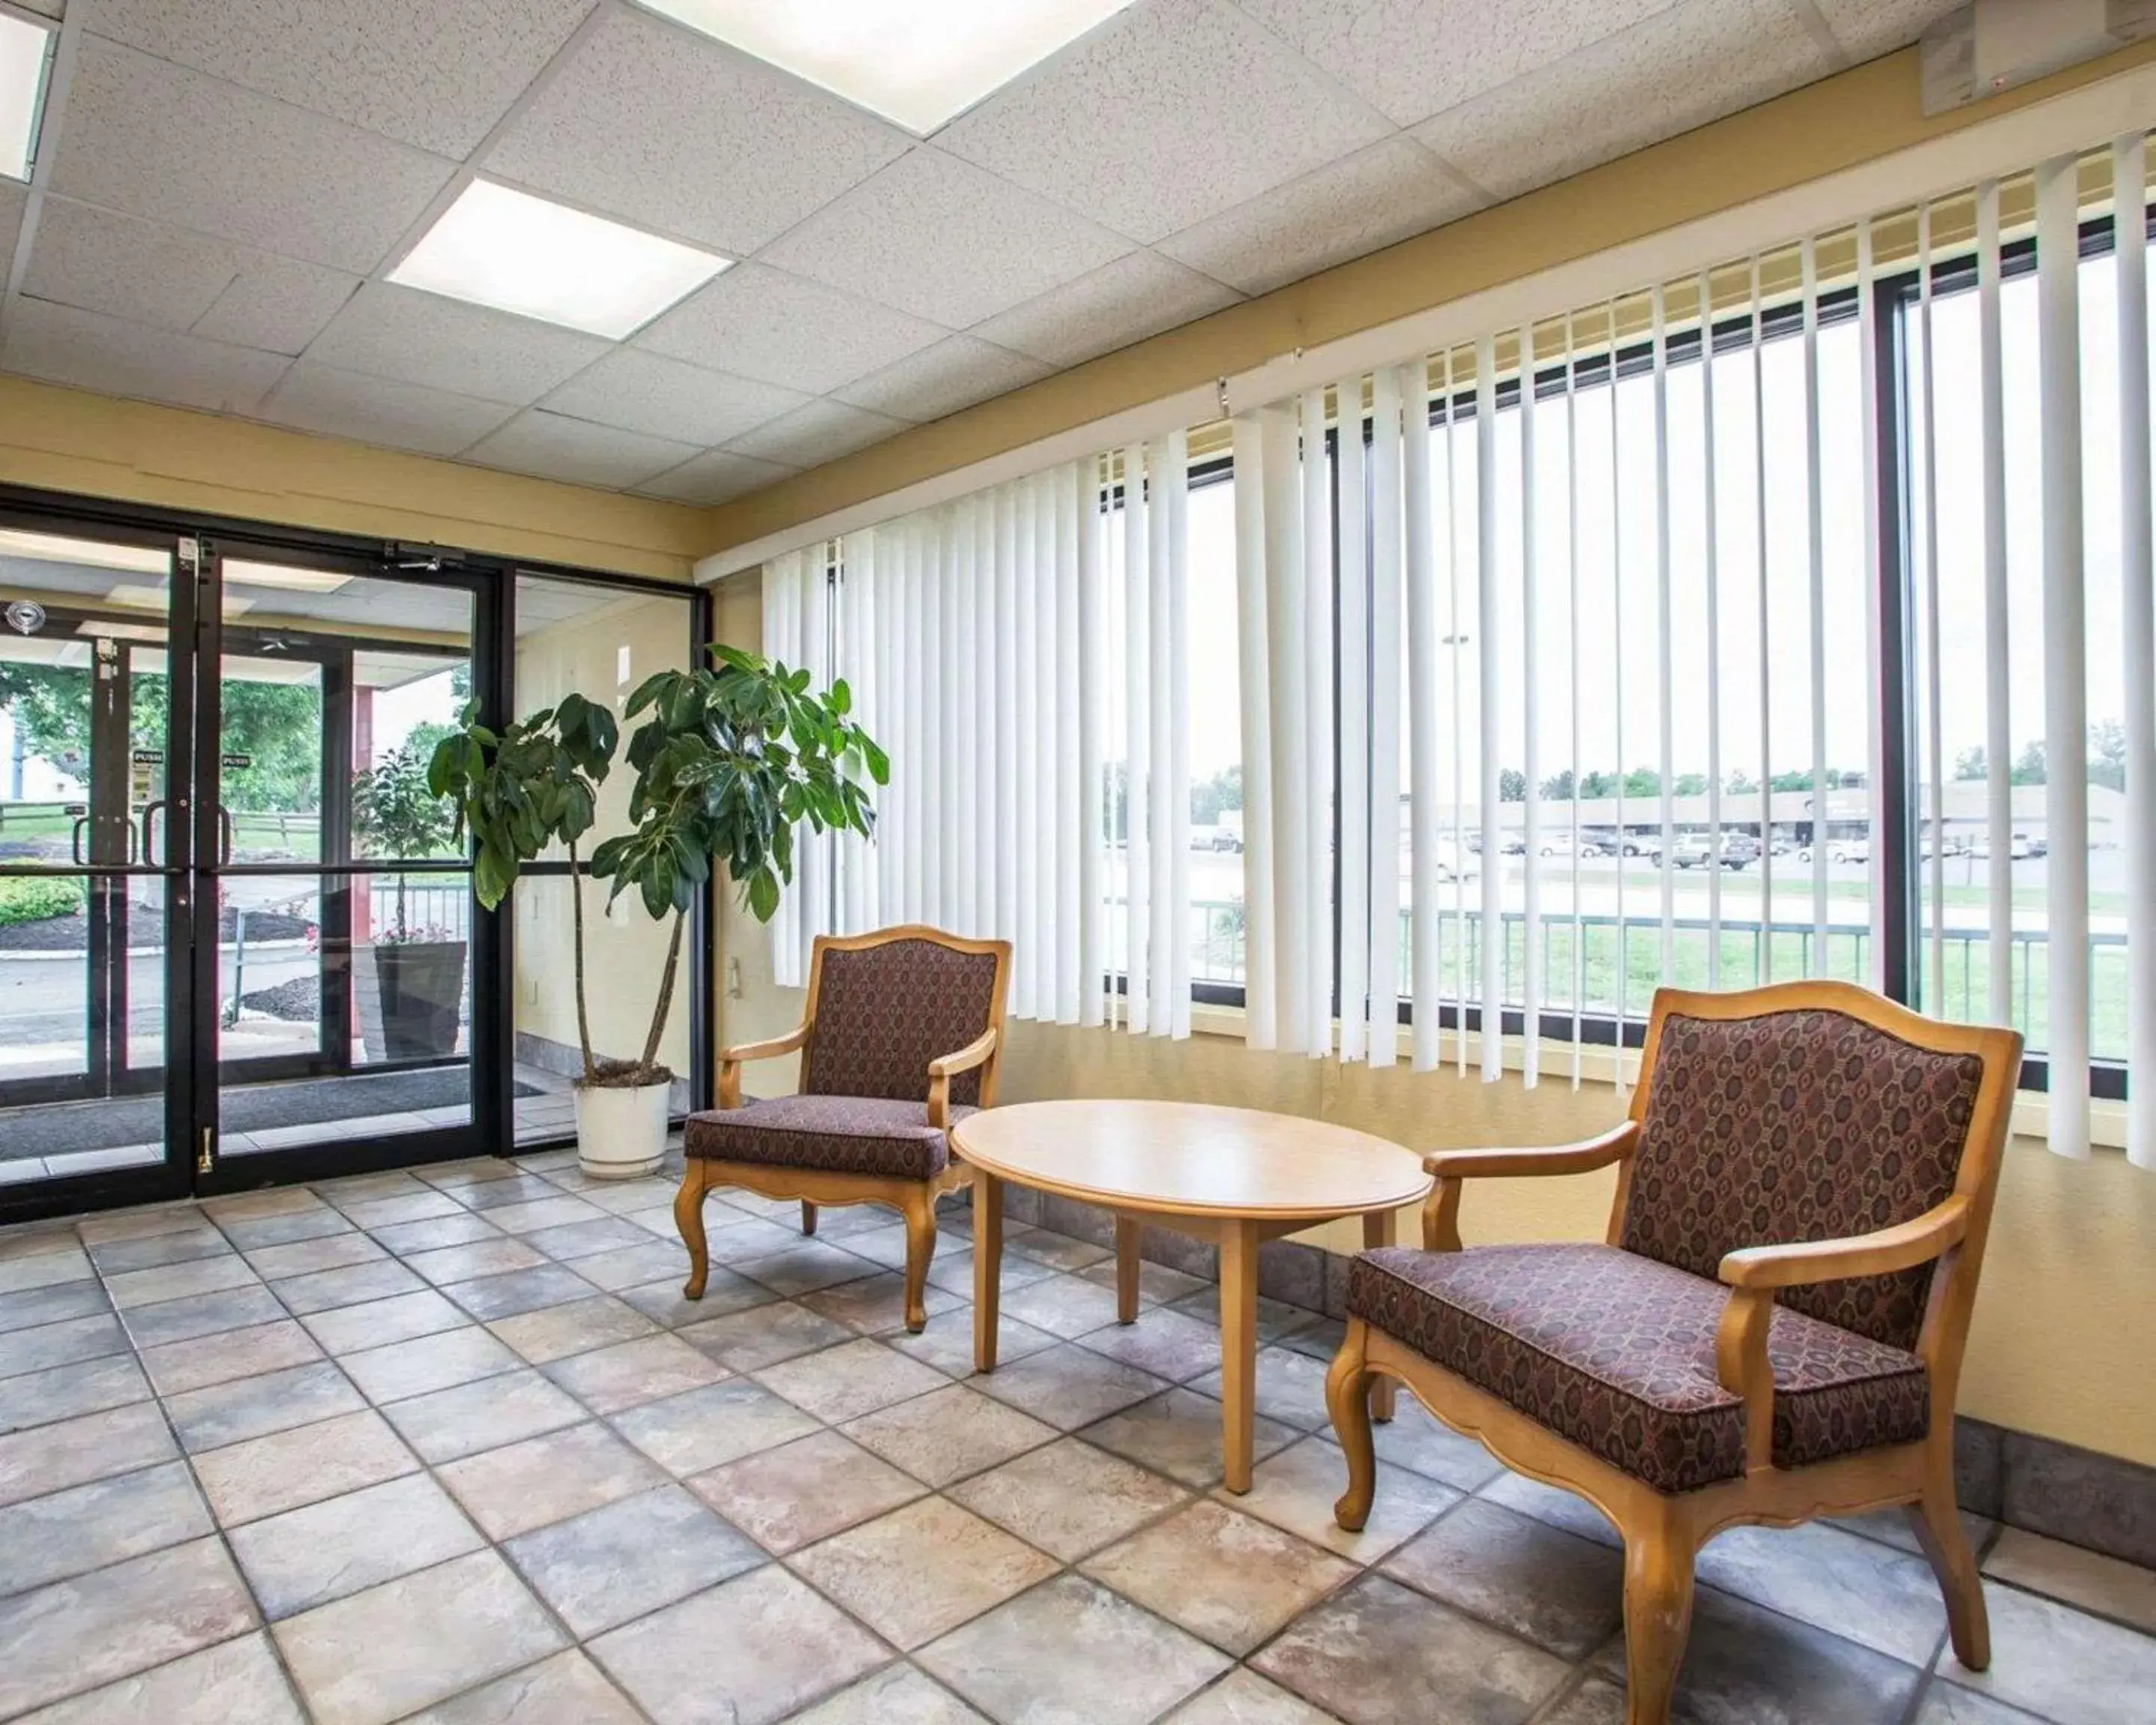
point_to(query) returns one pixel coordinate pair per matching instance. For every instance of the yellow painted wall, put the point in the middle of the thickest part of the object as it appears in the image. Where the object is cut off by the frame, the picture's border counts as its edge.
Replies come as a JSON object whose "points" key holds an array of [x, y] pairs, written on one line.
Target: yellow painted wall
{"points": [[1840, 122], [625, 949], [96, 446]]}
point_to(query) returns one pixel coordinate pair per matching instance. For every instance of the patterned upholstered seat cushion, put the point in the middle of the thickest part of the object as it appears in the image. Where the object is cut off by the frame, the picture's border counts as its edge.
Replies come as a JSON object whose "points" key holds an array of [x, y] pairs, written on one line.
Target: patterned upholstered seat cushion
{"points": [[848, 1135], [1793, 1127], [883, 1013], [1616, 1352]]}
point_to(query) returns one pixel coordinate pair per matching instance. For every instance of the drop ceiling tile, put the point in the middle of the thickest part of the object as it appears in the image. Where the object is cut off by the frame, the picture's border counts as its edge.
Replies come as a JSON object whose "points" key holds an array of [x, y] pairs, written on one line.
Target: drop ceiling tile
{"points": [[123, 266], [417, 337], [312, 397], [553, 446], [945, 241], [822, 431], [87, 350], [277, 304], [1867, 29], [426, 73], [1693, 64], [663, 398], [1173, 112], [758, 322], [715, 476], [50, 8], [12, 198], [1374, 199], [1410, 59], [670, 129], [1136, 296], [153, 139], [939, 380]]}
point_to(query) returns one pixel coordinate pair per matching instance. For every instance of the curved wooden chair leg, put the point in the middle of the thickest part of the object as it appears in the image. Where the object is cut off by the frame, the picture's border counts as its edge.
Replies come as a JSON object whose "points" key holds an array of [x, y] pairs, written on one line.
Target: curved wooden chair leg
{"points": [[919, 1250], [808, 1217], [688, 1218], [1347, 1400], [1938, 1530], [1658, 1594]]}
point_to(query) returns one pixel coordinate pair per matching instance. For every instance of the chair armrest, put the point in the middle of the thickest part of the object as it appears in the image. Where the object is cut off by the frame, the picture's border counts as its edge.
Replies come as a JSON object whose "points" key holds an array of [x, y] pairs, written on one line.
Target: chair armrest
{"points": [[1755, 1272], [732, 1059], [944, 1067], [1440, 1210], [1901, 1247]]}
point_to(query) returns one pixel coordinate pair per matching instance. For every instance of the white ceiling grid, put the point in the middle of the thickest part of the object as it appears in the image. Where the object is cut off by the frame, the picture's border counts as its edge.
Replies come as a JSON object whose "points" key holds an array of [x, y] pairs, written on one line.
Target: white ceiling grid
{"points": [[224, 185]]}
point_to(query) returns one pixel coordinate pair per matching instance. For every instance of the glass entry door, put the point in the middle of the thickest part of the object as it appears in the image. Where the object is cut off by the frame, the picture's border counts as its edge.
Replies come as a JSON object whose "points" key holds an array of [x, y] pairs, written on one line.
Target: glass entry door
{"points": [[337, 907]]}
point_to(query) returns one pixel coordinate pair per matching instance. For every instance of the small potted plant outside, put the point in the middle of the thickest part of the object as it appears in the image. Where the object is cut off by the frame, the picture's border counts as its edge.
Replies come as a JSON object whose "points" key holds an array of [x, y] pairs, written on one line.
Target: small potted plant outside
{"points": [[728, 762], [409, 991]]}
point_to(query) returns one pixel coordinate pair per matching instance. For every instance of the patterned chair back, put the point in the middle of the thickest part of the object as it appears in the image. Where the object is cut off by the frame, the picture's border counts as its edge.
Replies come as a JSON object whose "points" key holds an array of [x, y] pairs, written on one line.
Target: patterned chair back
{"points": [[883, 1012], [1796, 1126]]}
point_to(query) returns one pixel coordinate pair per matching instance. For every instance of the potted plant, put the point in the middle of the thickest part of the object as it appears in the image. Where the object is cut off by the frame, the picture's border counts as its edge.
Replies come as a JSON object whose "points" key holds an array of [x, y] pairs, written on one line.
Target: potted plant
{"points": [[728, 762], [410, 993]]}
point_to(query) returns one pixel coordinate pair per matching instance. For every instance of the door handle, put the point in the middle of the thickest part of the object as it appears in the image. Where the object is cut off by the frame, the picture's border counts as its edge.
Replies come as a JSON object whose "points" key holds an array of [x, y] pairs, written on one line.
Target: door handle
{"points": [[75, 842], [150, 830], [223, 835]]}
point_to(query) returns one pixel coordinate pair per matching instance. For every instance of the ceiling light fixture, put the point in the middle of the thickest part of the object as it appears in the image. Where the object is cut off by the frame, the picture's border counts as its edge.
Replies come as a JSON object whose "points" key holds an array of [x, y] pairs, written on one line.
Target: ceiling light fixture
{"points": [[497, 247], [26, 55], [84, 553], [130, 597], [915, 64], [284, 576]]}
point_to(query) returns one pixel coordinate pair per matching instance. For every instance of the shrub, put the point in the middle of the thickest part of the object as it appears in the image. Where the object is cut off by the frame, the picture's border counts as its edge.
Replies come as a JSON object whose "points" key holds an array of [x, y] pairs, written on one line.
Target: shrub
{"points": [[27, 899]]}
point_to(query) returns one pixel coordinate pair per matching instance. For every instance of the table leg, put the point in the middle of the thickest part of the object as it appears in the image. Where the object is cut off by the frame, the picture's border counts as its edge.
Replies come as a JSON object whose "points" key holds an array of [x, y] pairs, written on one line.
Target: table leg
{"points": [[1380, 1228], [988, 1267], [1126, 1269], [1238, 1349]]}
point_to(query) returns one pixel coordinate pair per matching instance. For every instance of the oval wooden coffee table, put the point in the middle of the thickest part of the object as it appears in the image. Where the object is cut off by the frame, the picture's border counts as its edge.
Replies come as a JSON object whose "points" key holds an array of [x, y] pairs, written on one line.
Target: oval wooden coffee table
{"points": [[1232, 1176]]}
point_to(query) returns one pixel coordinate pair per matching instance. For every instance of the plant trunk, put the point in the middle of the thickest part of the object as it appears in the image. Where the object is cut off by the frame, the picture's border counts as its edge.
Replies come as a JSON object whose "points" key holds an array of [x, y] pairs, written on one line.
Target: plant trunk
{"points": [[666, 995], [583, 1018]]}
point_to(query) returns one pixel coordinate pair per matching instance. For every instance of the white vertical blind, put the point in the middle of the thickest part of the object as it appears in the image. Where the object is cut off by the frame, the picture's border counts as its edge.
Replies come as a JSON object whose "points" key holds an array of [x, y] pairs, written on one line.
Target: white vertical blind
{"points": [[1253, 644], [1387, 621], [2138, 635], [2066, 648], [1284, 664], [1092, 735], [1351, 510], [1998, 625], [1531, 920], [1315, 636], [1874, 577], [1420, 580], [1491, 995], [1137, 744]]}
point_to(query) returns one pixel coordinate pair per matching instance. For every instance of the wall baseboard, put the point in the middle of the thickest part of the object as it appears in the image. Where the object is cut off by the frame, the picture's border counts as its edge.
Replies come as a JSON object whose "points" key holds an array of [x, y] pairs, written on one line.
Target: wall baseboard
{"points": [[2104, 1503]]}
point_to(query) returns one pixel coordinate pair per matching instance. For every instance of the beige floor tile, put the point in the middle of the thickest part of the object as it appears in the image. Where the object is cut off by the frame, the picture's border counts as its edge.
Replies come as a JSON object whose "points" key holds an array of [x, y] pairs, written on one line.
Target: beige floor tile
{"points": [[71, 1533], [67, 1262], [764, 1335], [1178, 1433], [1297, 1488], [34, 1308], [1858, 1589], [848, 1380], [1291, 1388], [875, 1306], [254, 1407], [268, 1474], [1415, 1440], [377, 1324], [805, 1491], [703, 1428], [1944, 1703], [1547, 1586], [1066, 1305], [1070, 1652], [1381, 1654], [1243, 1698], [1068, 1386], [1168, 1344], [308, 1556], [71, 1452], [2062, 1664], [567, 1689], [607, 1565], [299, 1257], [556, 1331], [536, 1214], [79, 1634], [409, 1239], [898, 1695], [805, 1265], [946, 1435], [628, 1373], [922, 1570], [947, 1344], [356, 1284], [203, 1315], [59, 1344], [231, 1683], [181, 1366], [750, 1651], [70, 1391], [427, 1364], [2122, 1591], [650, 1260], [1068, 1498], [494, 1256], [1228, 1578], [514, 1488], [452, 1626], [177, 1281], [484, 1415]]}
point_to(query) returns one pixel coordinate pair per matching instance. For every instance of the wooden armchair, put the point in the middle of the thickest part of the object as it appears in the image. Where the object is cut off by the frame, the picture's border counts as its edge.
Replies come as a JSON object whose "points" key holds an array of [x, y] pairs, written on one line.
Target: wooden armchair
{"points": [[903, 1037], [1774, 1328]]}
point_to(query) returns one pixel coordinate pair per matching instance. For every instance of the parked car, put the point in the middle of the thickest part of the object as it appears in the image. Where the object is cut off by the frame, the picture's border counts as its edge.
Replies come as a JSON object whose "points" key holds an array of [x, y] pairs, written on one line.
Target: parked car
{"points": [[1222, 839], [1738, 848], [1694, 850], [2017, 848], [1841, 850]]}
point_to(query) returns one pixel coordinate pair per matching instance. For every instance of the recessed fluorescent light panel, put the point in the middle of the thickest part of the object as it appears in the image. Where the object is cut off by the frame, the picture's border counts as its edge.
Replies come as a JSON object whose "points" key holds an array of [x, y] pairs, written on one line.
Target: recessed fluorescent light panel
{"points": [[25, 49], [916, 62], [292, 579], [517, 253]]}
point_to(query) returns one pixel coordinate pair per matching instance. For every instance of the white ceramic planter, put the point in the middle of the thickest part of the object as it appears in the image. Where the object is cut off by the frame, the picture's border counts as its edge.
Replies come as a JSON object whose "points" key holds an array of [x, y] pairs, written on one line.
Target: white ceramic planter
{"points": [[621, 1131]]}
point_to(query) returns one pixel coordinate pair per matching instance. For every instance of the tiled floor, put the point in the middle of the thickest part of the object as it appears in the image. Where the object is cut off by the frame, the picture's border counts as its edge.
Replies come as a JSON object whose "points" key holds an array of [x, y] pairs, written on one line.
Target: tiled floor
{"points": [[449, 1446]]}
